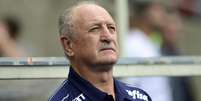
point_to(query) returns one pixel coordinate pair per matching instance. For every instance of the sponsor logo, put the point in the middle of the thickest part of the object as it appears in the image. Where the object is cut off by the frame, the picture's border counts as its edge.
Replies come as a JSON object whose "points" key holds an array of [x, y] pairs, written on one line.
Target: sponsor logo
{"points": [[79, 98], [137, 95]]}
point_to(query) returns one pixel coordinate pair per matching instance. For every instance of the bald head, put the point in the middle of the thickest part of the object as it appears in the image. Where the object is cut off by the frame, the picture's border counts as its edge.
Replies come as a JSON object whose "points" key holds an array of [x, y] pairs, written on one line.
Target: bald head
{"points": [[78, 13]]}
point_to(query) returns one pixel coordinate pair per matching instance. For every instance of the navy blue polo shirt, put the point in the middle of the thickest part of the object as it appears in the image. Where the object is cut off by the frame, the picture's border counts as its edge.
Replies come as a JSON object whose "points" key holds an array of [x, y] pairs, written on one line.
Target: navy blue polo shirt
{"points": [[75, 88]]}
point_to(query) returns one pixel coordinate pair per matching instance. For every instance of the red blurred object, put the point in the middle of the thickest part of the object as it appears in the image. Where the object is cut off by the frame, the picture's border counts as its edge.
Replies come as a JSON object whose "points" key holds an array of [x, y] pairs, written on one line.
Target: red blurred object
{"points": [[186, 7]]}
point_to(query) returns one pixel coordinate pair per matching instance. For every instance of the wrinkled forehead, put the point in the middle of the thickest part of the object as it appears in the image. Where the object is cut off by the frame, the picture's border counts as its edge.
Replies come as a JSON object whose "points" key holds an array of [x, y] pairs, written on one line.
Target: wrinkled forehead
{"points": [[91, 13]]}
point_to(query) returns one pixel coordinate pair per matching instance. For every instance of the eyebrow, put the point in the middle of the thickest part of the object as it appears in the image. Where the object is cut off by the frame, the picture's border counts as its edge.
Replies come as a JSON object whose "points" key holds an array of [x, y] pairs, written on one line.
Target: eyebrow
{"points": [[99, 23]]}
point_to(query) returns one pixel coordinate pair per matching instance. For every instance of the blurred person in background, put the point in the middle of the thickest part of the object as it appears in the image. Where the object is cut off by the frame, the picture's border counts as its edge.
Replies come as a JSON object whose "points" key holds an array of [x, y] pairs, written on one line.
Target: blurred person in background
{"points": [[170, 33], [154, 33], [144, 40], [10, 28], [181, 90], [148, 18]]}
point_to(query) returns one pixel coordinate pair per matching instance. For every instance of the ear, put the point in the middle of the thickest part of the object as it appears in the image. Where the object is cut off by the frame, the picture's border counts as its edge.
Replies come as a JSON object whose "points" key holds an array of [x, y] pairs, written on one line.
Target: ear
{"points": [[67, 45]]}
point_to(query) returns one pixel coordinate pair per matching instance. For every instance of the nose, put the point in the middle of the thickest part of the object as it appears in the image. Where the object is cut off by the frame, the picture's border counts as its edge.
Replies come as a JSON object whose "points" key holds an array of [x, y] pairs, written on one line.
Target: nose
{"points": [[106, 35]]}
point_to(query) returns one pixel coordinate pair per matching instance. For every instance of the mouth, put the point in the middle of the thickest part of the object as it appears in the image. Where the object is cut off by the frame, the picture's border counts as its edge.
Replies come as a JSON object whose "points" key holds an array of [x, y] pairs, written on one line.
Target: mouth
{"points": [[108, 49]]}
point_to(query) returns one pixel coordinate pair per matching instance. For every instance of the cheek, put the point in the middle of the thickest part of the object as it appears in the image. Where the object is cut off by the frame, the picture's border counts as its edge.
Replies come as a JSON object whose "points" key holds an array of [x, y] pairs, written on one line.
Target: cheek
{"points": [[87, 46], [116, 41]]}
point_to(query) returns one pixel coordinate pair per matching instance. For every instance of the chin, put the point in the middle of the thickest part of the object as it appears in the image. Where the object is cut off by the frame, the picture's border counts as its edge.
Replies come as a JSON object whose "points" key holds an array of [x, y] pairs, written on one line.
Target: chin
{"points": [[109, 60], [104, 64]]}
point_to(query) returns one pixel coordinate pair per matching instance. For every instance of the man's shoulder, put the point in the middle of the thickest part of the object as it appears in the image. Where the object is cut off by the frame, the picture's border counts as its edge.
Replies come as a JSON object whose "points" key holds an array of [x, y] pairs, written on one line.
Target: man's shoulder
{"points": [[64, 93], [135, 93]]}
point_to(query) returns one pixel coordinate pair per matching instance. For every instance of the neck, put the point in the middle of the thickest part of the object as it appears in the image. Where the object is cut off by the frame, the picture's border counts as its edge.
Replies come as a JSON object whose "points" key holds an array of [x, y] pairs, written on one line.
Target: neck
{"points": [[102, 80]]}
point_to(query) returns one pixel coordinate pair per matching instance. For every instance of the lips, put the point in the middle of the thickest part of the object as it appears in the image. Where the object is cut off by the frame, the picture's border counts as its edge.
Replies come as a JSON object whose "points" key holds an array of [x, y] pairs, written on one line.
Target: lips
{"points": [[104, 49]]}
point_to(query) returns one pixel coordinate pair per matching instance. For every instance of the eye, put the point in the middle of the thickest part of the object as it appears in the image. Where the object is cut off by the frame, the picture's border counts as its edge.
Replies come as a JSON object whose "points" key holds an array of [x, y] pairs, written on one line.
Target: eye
{"points": [[93, 29], [112, 28]]}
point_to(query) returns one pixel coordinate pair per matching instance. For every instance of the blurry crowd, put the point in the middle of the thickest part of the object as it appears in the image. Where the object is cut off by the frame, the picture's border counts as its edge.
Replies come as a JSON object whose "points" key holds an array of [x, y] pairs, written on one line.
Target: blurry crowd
{"points": [[10, 28], [154, 30]]}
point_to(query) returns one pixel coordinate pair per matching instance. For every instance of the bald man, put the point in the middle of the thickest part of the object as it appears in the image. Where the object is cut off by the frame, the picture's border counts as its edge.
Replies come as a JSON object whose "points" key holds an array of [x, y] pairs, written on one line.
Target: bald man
{"points": [[88, 35]]}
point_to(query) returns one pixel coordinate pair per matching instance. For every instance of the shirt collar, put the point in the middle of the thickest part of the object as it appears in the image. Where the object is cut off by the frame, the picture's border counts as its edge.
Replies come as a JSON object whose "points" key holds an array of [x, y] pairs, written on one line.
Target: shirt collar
{"points": [[120, 91], [86, 87], [92, 92]]}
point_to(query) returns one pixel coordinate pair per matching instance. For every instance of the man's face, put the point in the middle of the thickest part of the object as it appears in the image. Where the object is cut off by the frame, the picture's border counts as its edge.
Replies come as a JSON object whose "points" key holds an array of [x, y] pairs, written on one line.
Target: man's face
{"points": [[95, 41]]}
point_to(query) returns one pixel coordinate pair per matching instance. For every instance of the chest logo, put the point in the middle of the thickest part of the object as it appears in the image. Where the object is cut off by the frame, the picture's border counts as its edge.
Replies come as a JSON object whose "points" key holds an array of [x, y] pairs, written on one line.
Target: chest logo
{"points": [[79, 98], [137, 95]]}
